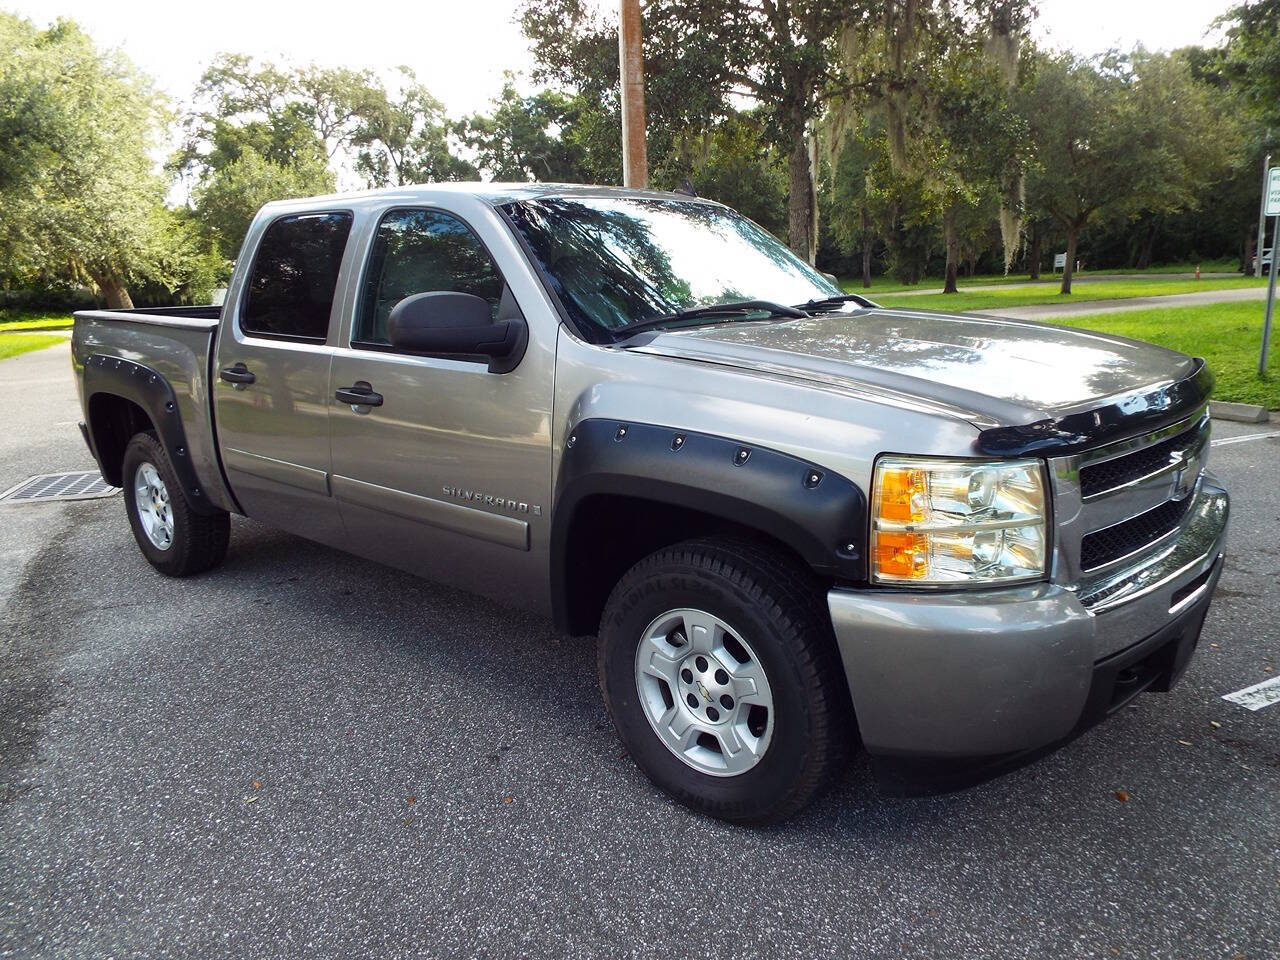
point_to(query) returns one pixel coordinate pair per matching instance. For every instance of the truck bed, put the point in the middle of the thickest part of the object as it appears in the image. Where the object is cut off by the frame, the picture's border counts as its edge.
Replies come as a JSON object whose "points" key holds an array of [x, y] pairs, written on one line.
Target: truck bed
{"points": [[176, 343], [202, 316]]}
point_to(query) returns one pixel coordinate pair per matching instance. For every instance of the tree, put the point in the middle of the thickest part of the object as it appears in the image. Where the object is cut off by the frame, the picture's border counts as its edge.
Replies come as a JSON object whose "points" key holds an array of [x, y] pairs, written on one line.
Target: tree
{"points": [[1008, 22], [780, 54], [253, 134], [861, 209], [979, 147], [548, 136], [240, 106], [1247, 69], [257, 133], [1250, 59], [1107, 144], [403, 138], [227, 198], [1183, 143], [733, 162], [81, 199], [934, 76]]}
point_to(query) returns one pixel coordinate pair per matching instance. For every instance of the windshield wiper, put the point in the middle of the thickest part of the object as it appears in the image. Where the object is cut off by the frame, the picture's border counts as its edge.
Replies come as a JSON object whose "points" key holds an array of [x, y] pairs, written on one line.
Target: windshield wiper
{"points": [[836, 301], [716, 310]]}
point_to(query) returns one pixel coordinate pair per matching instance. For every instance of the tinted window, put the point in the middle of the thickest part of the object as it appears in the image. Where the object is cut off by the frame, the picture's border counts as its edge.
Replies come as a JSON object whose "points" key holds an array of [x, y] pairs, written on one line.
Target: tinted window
{"points": [[294, 275], [422, 251], [619, 260]]}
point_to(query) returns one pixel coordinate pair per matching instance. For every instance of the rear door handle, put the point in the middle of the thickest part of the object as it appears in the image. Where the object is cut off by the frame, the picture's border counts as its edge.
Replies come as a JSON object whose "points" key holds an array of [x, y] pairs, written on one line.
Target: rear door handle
{"points": [[360, 394], [238, 375]]}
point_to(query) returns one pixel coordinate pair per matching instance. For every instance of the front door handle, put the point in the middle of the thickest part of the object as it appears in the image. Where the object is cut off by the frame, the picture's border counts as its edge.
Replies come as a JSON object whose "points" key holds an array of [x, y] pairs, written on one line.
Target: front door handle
{"points": [[239, 375], [360, 394]]}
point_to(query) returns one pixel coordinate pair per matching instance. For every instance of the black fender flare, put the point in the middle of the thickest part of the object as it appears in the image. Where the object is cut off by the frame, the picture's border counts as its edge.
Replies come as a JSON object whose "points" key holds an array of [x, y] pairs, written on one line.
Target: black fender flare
{"points": [[149, 390], [818, 513]]}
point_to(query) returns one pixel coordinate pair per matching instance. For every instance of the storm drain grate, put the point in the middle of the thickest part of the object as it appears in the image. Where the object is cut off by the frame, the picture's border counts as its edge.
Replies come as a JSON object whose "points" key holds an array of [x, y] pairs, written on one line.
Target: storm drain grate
{"points": [[59, 486]]}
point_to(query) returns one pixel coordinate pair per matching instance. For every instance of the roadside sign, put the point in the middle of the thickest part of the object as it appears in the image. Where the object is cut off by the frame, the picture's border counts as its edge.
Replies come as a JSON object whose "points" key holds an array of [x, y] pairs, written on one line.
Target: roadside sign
{"points": [[1272, 206]]}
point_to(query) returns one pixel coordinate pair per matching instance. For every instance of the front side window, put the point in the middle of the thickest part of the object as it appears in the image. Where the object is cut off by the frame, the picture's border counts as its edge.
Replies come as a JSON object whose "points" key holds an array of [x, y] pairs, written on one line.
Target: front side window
{"points": [[422, 251], [290, 290], [615, 261]]}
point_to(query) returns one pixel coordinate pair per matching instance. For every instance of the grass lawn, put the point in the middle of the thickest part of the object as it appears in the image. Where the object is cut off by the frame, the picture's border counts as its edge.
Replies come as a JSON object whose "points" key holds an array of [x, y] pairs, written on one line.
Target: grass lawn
{"points": [[1227, 335], [992, 297], [34, 320], [1206, 266], [889, 285], [12, 344]]}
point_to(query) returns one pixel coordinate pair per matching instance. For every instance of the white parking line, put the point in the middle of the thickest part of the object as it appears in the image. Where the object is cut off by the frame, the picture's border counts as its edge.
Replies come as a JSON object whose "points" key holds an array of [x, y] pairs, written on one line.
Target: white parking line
{"points": [[1258, 696], [1253, 436]]}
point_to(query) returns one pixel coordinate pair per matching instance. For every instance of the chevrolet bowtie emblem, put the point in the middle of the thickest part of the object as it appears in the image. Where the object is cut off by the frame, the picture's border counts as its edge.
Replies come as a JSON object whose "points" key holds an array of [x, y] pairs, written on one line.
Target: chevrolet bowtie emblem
{"points": [[1184, 477]]}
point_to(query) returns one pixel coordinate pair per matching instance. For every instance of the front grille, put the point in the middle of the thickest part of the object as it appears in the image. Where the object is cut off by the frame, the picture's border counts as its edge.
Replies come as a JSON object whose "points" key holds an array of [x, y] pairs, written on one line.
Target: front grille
{"points": [[1100, 477], [1104, 546]]}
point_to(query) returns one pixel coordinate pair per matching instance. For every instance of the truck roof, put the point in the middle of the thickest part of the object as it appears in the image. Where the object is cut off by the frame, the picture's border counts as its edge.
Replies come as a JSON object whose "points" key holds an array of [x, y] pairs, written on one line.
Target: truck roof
{"points": [[494, 193]]}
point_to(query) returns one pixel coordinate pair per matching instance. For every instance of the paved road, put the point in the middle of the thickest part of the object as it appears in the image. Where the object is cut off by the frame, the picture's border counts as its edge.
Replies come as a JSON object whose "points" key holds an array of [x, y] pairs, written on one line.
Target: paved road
{"points": [[438, 777], [1086, 307]]}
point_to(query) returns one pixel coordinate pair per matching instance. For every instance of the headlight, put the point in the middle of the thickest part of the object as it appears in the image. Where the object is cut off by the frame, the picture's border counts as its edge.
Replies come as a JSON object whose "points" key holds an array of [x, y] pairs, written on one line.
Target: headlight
{"points": [[957, 521]]}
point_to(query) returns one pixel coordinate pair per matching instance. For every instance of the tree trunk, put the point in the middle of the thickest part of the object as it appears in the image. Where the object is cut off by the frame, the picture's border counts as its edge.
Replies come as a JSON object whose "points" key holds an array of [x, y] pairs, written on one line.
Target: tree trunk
{"points": [[1148, 245], [814, 169], [953, 248], [867, 244], [1246, 264], [1035, 255], [800, 201], [1073, 234], [113, 291]]}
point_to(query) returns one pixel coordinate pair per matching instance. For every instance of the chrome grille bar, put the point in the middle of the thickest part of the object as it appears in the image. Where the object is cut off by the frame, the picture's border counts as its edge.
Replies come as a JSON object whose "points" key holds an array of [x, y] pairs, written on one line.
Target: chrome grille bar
{"points": [[1119, 505]]}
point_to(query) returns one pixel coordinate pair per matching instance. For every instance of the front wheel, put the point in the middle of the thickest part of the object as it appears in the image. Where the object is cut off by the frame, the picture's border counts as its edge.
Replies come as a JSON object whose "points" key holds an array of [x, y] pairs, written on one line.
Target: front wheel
{"points": [[719, 668], [175, 539]]}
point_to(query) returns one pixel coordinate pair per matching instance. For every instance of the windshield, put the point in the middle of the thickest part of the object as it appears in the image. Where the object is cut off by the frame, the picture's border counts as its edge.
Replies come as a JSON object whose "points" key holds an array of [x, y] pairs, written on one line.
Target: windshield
{"points": [[616, 261]]}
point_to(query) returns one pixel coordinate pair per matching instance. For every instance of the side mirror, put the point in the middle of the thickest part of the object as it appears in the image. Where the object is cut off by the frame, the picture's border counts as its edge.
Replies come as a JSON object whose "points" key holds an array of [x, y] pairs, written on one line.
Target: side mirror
{"points": [[456, 325]]}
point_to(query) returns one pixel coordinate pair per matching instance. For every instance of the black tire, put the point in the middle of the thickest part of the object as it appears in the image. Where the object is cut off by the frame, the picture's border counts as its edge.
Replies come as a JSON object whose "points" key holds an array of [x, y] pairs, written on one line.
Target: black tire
{"points": [[199, 540], [781, 611]]}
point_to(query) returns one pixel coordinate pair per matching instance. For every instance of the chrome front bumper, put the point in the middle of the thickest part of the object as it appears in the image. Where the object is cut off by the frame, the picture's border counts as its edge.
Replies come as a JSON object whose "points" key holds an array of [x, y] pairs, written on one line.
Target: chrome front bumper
{"points": [[998, 672]]}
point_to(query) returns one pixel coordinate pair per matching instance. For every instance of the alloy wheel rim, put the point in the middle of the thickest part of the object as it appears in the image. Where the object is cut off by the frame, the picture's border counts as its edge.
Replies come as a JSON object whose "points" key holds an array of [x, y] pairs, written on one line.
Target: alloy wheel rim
{"points": [[704, 692], [155, 513]]}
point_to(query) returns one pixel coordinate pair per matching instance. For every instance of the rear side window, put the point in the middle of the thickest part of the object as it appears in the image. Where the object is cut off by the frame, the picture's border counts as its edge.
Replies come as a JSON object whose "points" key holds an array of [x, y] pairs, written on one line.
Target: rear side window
{"points": [[422, 251], [290, 291]]}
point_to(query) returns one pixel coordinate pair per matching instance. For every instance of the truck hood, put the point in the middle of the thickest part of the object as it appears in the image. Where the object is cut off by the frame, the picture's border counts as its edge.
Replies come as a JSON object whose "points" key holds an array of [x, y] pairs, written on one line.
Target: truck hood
{"points": [[990, 370]]}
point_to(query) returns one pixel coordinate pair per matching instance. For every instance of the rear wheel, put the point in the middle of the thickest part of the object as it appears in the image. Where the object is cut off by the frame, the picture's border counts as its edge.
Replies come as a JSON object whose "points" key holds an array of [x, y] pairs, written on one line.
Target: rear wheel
{"points": [[719, 669], [175, 539]]}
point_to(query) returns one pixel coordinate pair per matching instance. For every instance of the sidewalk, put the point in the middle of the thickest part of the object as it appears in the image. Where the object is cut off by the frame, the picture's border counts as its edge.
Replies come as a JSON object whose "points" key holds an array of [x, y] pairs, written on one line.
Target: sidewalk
{"points": [[931, 290], [1084, 308]]}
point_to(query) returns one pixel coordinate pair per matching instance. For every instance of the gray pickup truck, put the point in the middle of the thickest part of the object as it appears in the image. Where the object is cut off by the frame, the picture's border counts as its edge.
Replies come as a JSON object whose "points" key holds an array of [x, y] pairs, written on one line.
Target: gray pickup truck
{"points": [[796, 522]]}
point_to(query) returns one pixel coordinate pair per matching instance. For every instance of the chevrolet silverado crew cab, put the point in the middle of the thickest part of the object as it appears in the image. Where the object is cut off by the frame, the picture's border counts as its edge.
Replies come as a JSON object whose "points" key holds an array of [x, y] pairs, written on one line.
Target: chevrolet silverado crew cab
{"points": [[796, 522]]}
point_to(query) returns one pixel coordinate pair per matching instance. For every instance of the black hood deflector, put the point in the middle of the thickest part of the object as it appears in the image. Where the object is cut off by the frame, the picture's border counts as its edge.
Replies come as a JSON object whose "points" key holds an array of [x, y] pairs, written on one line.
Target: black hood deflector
{"points": [[1129, 416]]}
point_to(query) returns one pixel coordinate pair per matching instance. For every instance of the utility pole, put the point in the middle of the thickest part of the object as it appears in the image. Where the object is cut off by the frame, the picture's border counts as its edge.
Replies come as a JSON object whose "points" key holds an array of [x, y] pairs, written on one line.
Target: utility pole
{"points": [[1262, 221], [635, 162]]}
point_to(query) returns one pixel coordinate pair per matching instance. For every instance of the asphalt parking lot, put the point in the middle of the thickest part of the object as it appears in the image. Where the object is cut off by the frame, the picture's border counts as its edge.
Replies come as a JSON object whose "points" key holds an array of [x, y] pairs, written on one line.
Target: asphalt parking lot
{"points": [[289, 758]]}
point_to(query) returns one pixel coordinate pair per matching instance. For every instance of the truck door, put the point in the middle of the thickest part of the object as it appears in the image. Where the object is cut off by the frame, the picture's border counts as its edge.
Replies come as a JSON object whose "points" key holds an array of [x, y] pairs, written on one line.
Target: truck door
{"points": [[271, 376], [449, 474]]}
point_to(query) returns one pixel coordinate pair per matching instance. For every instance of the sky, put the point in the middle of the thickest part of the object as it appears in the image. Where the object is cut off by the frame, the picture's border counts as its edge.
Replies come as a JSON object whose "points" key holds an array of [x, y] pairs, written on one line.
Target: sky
{"points": [[460, 48], [1092, 26]]}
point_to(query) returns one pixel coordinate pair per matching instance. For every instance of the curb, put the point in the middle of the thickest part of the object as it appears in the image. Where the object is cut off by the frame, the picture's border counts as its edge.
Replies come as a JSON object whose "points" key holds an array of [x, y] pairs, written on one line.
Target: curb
{"points": [[1239, 412]]}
